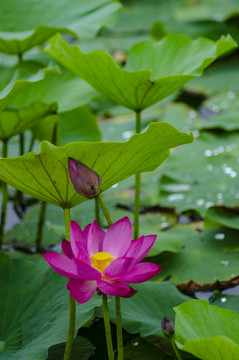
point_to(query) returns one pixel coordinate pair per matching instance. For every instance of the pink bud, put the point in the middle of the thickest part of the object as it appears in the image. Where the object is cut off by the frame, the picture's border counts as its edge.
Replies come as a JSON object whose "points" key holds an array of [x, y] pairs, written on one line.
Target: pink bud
{"points": [[167, 327], [85, 180]]}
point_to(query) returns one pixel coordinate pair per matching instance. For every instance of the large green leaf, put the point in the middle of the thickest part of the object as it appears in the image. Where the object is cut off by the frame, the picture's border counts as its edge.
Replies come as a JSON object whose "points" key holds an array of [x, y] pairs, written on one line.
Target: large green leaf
{"points": [[213, 181], [45, 18], [154, 69], [37, 297], [45, 175], [207, 331], [144, 312], [217, 246], [15, 122]]}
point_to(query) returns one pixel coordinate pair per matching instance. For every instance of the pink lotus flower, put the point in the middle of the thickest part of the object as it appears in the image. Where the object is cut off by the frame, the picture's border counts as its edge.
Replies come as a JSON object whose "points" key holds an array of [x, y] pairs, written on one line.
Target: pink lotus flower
{"points": [[104, 261]]}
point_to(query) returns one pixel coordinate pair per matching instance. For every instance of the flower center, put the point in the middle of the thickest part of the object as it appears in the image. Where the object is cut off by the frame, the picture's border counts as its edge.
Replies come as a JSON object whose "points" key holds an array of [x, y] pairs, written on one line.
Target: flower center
{"points": [[101, 260]]}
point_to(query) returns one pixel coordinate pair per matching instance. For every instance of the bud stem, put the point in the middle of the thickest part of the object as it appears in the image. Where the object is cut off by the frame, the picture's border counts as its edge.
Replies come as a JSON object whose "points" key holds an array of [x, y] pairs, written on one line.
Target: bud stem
{"points": [[97, 212], [72, 303], [177, 352], [105, 210]]}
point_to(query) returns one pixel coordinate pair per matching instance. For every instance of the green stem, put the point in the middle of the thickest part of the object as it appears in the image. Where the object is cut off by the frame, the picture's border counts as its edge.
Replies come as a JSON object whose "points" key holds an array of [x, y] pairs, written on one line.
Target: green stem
{"points": [[105, 211], [120, 345], [31, 142], [137, 184], [107, 327], [71, 330], [136, 205], [4, 198], [138, 122], [19, 194], [97, 212], [177, 352], [40, 226]]}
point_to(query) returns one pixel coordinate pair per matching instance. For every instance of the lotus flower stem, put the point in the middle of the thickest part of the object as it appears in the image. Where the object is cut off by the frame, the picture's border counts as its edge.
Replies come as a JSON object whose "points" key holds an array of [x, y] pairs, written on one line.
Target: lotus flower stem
{"points": [[40, 226], [105, 211], [97, 212], [72, 303], [137, 184], [107, 327], [4, 198], [117, 298], [177, 352], [120, 345]]}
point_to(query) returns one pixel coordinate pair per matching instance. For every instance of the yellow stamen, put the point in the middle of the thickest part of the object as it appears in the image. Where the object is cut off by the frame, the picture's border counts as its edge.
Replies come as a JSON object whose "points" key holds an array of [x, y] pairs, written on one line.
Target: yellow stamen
{"points": [[101, 260]]}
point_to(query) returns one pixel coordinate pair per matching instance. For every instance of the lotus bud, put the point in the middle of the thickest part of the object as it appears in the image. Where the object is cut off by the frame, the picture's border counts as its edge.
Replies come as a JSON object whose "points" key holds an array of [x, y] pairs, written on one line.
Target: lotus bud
{"points": [[85, 180], [167, 327]]}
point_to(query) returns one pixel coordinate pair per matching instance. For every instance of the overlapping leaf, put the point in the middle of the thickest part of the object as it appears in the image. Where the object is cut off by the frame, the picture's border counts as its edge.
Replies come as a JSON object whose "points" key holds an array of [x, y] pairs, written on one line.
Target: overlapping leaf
{"points": [[16, 85], [45, 175], [154, 69], [15, 122], [139, 317], [207, 331], [37, 297], [45, 18]]}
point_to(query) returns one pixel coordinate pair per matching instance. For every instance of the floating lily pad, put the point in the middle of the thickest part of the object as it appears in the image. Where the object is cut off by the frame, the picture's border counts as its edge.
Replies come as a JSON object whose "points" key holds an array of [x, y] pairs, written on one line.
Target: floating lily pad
{"points": [[207, 331], [226, 120], [205, 257], [227, 302], [222, 216], [46, 176], [154, 70], [45, 18], [38, 298], [221, 77], [207, 174]]}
